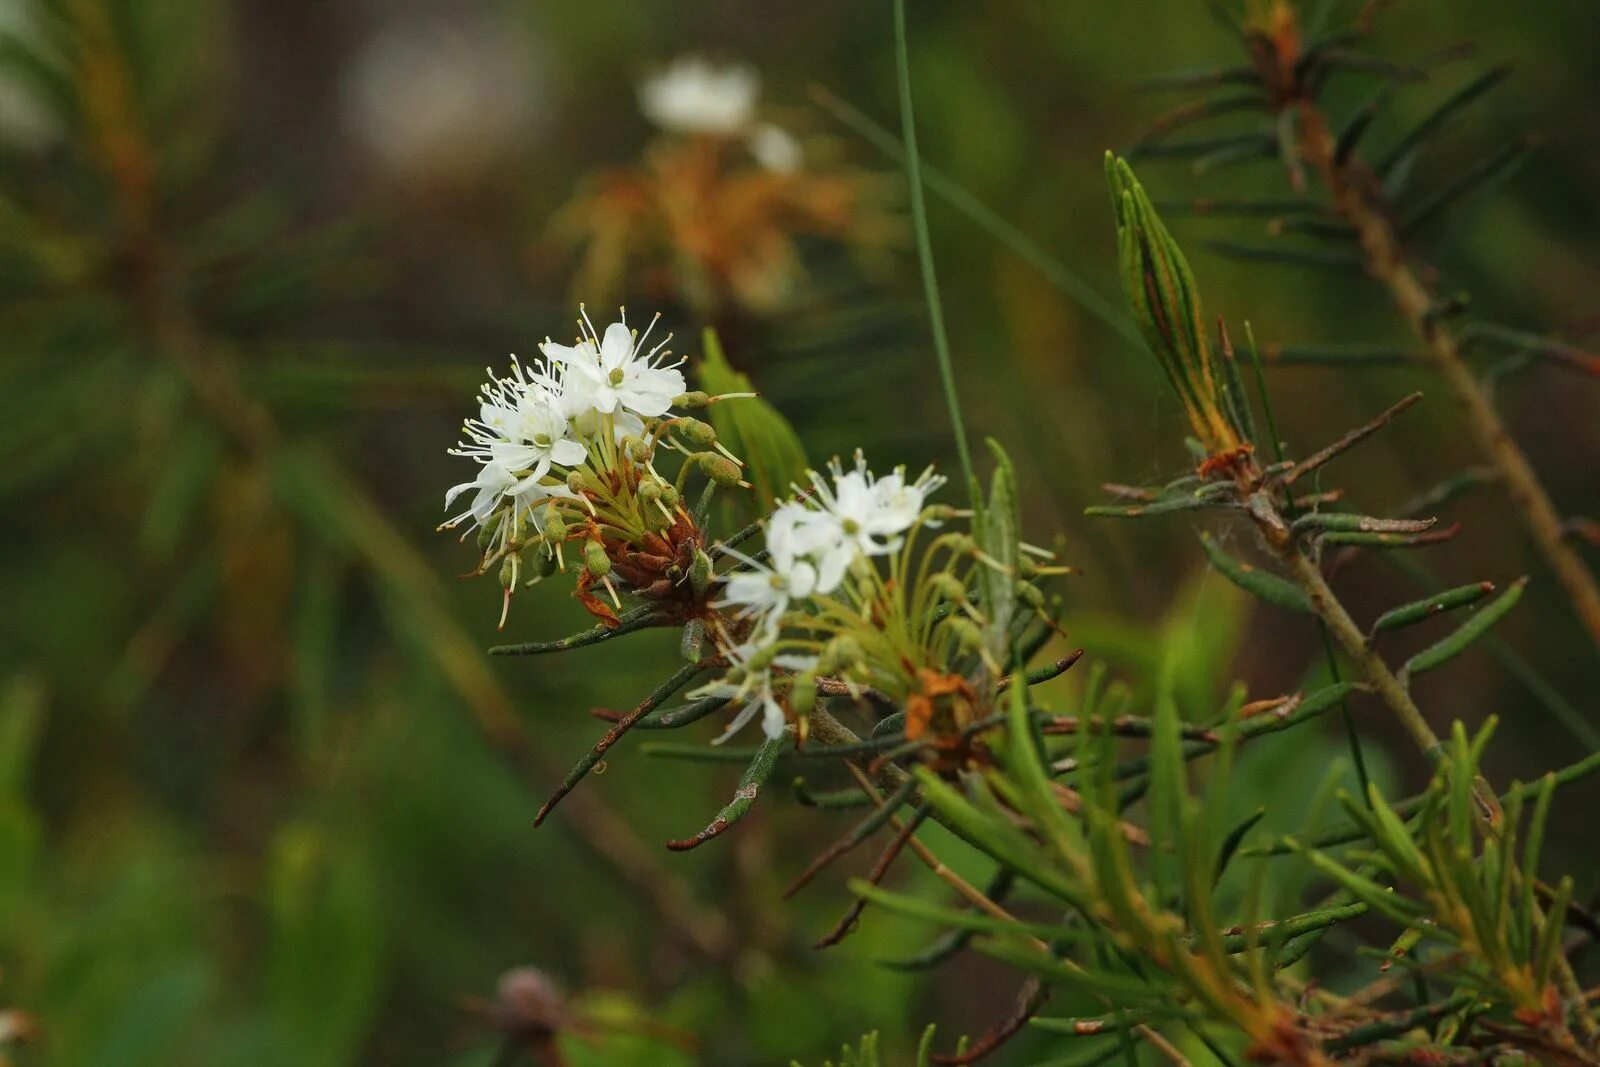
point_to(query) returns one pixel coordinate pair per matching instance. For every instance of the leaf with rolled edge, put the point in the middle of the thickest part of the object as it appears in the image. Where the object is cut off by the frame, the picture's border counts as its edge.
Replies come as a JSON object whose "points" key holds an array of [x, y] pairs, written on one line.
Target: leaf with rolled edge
{"points": [[1261, 584], [1469, 631], [1161, 291], [744, 796], [1346, 521], [1426, 608], [751, 428], [1155, 507]]}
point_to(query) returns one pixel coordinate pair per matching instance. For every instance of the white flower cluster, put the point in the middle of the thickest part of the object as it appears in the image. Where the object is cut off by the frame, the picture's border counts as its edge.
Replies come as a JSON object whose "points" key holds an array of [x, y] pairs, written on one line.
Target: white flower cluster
{"points": [[694, 96], [548, 415], [811, 544]]}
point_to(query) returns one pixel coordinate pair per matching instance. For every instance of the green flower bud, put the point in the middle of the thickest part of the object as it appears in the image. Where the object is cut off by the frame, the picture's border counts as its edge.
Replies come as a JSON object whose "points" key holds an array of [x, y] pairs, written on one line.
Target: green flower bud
{"points": [[1031, 595], [839, 654], [486, 531], [692, 399], [696, 432], [508, 571], [700, 573], [575, 481], [803, 692], [555, 527], [669, 495], [544, 562], [949, 587], [649, 492], [967, 634], [639, 450], [719, 469], [861, 568], [595, 559]]}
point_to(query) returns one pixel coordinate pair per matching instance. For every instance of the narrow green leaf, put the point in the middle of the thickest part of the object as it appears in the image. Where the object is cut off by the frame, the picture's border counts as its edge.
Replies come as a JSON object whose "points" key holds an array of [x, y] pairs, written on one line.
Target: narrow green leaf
{"points": [[1364, 889], [750, 782], [1259, 583], [930, 278], [1436, 119], [1002, 841], [1426, 608], [1470, 631]]}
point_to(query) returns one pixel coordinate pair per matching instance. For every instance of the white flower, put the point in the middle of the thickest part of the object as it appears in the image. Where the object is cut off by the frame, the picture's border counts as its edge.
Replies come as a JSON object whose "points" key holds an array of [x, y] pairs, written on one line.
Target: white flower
{"points": [[497, 488], [694, 96], [795, 531], [522, 425], [763, 592], [605, 373], [492, 482], [755, 688], [861, 515], [775, 148]]}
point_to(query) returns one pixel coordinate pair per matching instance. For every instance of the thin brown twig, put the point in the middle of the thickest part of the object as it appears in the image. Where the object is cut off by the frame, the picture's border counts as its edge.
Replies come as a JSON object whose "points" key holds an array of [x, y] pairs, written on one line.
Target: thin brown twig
{"points": [[1358, 197]]}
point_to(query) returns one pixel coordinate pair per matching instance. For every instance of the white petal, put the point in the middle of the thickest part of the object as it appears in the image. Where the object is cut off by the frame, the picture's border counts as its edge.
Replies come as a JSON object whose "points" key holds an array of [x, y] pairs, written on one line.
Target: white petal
{"points": [[739, 722], [617, 346], [772, 721], [568, 453], [833, 565]]}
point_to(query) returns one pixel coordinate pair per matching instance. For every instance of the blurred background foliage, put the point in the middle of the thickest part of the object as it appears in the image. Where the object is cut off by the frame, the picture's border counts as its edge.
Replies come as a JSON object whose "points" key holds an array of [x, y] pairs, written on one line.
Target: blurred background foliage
{"points": [[262, 797]]}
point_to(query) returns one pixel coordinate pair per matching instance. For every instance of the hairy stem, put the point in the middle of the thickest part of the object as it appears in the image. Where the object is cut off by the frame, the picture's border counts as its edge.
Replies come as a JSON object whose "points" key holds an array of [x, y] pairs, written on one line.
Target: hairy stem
{"points": [[1357, 196]]}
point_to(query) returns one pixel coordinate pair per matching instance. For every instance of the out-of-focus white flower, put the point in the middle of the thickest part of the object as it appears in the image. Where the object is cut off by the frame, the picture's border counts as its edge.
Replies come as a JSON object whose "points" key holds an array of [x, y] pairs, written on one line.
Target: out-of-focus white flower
{"points": [[26, 121], [692, 95], [443, 102], [605, 373], [775, 148]]}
